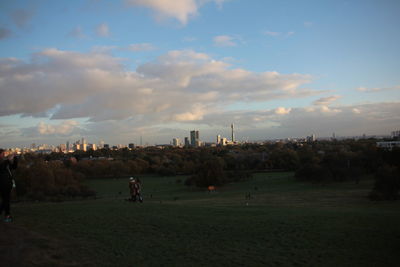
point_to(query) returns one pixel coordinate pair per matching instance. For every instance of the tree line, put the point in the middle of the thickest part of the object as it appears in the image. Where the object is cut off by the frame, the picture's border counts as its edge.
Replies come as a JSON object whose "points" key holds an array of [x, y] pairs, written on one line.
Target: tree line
{"points": [[60, 175]]}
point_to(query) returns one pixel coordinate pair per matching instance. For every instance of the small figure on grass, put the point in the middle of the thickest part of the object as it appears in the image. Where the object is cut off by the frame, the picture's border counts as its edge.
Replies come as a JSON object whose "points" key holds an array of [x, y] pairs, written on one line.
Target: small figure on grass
{"points": [[135, 187]]}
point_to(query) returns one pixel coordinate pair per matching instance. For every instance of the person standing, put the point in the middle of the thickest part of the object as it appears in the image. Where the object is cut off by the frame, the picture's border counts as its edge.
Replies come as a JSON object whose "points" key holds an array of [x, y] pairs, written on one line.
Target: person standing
{"points": [[132, 188], [7, 163], [138, 187]]}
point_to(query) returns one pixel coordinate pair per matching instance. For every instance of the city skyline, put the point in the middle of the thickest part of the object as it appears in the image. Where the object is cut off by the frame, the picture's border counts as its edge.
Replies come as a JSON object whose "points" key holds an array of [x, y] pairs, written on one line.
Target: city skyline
{"points": [[123, 70]]}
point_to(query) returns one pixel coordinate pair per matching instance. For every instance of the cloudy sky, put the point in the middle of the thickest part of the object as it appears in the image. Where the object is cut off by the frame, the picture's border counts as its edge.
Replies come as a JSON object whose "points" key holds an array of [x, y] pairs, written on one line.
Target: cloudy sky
{"points": [[118, 70]]}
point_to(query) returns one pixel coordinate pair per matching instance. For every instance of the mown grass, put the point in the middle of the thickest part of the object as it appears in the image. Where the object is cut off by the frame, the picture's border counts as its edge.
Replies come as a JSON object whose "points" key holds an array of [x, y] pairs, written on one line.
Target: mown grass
{"points": [[284, 223]]}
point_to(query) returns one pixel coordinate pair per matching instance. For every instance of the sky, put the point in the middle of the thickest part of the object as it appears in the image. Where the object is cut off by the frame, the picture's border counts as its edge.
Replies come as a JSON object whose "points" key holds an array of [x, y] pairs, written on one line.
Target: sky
{"points": [[114, 71]]}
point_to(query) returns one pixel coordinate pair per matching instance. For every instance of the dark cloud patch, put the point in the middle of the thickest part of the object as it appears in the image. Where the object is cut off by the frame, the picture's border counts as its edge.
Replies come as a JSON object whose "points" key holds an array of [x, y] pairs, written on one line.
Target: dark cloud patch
{"points": [[21, 17], [4, 33]]}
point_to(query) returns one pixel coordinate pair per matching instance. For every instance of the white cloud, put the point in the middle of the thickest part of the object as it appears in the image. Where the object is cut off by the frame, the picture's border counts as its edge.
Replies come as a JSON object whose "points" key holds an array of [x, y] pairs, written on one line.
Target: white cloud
{"points": [[224, 40], [103, 30], [325, 101], [141, 47], [271, 33], [377, 118], [308, 24], [378, 89], [182, 10], [282, 111], [189, 39], [103, 49], [182, 85], [276, 34], [77, 32], [64, 128], [196, 114]]}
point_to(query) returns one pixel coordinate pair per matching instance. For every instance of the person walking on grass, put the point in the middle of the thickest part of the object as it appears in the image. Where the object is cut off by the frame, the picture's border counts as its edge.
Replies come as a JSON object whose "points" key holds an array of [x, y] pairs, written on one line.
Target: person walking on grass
{"points": [[135, 187], [132, 189], [138, 187], [7, 163]]}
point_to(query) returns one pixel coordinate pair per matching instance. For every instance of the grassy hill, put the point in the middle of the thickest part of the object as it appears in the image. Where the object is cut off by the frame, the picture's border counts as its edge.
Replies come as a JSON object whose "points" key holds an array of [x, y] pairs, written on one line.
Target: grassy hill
{"points": [[284, 223]]}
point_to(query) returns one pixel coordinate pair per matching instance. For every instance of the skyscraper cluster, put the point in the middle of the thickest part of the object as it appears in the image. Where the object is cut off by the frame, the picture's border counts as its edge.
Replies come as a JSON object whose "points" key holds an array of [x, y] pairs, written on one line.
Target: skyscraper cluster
{"points": [[194, 140]]}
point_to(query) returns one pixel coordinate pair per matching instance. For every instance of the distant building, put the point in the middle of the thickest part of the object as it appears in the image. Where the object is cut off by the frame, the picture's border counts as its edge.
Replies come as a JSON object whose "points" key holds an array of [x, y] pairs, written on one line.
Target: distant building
{"points": [[187, 143], [131, 146], [176, 142], [388, 145], [311, 138], [92, 147], [101, 144], [224, 141], [194, 138], [395, 134], [199, 143], [63, 148], [106, 146], [218, 139]]}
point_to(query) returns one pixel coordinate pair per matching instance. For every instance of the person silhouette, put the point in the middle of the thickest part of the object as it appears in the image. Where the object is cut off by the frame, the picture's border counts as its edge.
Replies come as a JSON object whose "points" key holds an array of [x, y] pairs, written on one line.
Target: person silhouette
{"points": [[7, 163]]}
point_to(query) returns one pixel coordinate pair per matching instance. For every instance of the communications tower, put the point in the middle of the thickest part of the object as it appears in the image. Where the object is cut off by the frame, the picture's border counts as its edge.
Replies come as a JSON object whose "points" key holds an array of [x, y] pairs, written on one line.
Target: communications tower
{"points": [[233, 134]]}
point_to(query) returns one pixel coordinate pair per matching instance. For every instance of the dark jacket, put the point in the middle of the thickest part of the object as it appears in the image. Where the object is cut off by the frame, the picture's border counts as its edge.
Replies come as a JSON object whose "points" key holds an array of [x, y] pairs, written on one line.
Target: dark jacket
{"points": [[5, 170]]}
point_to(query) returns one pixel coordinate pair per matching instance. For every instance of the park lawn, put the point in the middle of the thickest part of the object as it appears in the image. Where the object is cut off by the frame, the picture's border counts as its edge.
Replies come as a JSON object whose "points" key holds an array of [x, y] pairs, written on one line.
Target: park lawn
{"points": [[284, 223]]}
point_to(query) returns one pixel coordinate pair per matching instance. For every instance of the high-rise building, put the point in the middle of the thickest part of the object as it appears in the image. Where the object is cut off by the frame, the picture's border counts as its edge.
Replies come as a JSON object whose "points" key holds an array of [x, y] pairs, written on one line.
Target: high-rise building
{"points": [[63, 148], [311, 138], [224, 141], [175, 142], [187, 144], [194, 137], [218, 139], [92, 146]]}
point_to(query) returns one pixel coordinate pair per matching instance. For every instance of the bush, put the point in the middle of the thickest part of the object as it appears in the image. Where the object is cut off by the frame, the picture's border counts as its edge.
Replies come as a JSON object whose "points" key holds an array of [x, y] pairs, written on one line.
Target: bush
{"points": [[387, 184], [211, 172], [41, 180]]}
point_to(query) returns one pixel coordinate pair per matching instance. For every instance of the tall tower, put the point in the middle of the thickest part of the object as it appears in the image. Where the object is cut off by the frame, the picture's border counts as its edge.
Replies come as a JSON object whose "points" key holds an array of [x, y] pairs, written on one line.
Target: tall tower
{"points": [[233, 134], [194, 138]]}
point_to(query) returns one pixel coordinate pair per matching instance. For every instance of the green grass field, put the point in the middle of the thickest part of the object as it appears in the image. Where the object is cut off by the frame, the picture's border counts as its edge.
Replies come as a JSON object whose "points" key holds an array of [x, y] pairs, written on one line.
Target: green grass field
{"points": [[285, 223]]}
